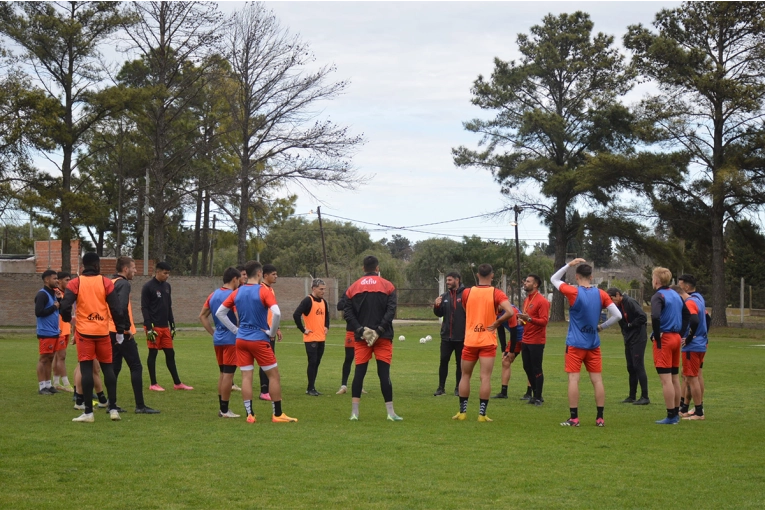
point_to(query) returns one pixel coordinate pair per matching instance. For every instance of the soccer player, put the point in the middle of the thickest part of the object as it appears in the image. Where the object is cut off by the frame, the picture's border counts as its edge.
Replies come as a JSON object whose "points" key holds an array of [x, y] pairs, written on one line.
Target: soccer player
{"points": [[350, 350], [314, 312], [95, 299], [511, 350], [449, 306], [252, 302], [369, 309], [127, 349], [694, 348], [534, 319], [224, 341], [582, 339], [48, 332], [669, 317], [633, 326], [60, 379], [481, 304], [159, 325], [268, 279]]}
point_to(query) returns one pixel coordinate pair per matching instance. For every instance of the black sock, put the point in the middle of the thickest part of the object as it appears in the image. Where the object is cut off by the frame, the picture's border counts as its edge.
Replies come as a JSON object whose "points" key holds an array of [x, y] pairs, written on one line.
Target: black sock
{"points": [[277, 405], [675, 411], [528, 391], [670, 413], [101, 397], [78, 399], [504, 389], [574, 411], [699, 409], [482, 407], [600, 411], [682, 402], [224, 406], [463, 404], [683, 408]]}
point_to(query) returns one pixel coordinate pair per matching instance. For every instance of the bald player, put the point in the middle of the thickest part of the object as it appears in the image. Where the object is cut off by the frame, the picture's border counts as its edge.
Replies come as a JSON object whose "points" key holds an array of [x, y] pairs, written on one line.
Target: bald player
{"points": [[481, 304], [312, 319]]}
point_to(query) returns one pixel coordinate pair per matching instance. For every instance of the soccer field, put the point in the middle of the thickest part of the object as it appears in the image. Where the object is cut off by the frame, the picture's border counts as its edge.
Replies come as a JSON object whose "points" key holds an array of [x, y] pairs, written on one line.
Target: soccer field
{"points": [[187, 457]]}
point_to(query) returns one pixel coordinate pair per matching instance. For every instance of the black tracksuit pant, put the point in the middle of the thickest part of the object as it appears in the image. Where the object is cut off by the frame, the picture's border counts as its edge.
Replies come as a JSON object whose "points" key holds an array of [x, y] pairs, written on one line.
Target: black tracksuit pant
{"points": [[447, 347], [128, 351]]}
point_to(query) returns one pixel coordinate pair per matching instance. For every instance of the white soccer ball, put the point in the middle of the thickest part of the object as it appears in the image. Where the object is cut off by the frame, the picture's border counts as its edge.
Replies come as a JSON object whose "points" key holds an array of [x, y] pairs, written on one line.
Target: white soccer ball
{"points": [[422, 340], [401, 338], [428, 338]]}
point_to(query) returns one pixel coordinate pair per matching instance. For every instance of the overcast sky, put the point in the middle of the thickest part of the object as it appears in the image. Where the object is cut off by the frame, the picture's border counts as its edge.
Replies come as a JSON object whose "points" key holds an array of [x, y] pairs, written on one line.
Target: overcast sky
{"points": [[411, 66]]}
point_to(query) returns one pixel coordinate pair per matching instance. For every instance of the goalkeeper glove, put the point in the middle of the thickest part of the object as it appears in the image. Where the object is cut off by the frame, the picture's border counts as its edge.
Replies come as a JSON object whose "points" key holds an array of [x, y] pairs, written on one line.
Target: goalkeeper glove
{"points": [[151, 335], [172, 330], [370, 335], [120, 338]]}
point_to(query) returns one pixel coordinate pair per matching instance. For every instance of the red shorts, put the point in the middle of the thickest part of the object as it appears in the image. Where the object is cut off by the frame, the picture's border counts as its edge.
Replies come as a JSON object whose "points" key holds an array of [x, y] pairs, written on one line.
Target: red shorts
{"points": [[164, 339], [349, 339], [48, 344], [590, 357], [382, 349], [472, 353], [226, 354], [518, 347], [62, 343], [669, 354], [99, 348], [692, 363], [249, 352]]}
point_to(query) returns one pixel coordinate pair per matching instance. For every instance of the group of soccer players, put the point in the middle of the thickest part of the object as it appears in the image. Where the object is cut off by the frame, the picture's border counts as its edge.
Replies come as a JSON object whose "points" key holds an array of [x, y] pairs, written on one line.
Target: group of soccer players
{"points": [[679, 322], [246, 318]]}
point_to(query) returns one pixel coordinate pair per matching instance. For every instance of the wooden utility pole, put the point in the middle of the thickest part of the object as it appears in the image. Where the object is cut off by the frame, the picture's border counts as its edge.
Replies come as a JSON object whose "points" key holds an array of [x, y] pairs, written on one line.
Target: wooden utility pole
{"points": [[323, 247]]}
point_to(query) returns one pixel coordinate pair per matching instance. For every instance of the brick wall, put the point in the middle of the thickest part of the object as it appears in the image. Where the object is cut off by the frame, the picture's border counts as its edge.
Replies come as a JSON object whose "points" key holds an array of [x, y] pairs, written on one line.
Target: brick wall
{"points": [[17, 293], [48, 255]]}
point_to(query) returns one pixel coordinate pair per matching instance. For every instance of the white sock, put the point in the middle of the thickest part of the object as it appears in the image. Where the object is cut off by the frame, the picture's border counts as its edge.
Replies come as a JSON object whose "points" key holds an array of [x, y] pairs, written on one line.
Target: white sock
{"points": [[56, 379], [41, 384], [48, 384], [65, 381], [389, 407]]}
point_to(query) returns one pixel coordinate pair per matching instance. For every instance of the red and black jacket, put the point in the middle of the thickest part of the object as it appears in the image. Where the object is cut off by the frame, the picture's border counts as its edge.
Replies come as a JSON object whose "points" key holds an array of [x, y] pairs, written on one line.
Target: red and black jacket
{"points": [[370, 302], [451, 309]]}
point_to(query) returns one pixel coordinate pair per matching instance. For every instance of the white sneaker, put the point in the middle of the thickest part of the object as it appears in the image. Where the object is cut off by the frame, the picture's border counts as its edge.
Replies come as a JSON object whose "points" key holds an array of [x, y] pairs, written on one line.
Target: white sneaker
{"points": [[234, 387], [102, 406], [114, 415], [79, 407], [85, 417], [343, 390], [363, 391], [227, 414]]}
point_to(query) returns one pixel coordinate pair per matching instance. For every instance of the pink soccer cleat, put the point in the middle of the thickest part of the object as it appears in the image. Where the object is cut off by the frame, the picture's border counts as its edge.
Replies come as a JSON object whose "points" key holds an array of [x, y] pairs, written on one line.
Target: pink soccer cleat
{"points": [[156, 387], [182, 387]]}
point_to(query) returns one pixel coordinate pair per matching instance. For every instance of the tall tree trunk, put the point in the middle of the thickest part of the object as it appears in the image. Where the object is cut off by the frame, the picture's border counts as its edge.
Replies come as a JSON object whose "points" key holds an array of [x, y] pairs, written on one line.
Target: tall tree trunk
{"points": [[66, 220], [206, 231], [118, 233], [719, 315], [244, 209], [557, 311], [140, 208], [197, 222]]}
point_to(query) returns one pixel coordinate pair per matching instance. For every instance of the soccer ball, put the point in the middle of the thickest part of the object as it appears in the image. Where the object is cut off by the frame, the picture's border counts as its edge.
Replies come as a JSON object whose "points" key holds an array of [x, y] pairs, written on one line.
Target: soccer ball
{"points": [[401, 338], [422, 340], [428, 338]]}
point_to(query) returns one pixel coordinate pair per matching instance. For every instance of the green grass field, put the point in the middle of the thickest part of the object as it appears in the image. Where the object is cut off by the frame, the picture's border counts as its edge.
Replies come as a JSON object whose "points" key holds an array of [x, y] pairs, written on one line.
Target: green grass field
{"points": [[187, 457]]}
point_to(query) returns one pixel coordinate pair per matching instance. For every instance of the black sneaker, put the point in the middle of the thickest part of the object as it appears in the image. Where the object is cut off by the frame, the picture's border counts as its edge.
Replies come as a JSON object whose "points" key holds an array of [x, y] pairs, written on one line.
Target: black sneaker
{"points": [[145, 410], [642, 401], [313, 393], [526, 397], [52, 390], [119, 410], [531, 401], [500, 395], [439, 392], [44, 391], [538, 402], [628, 400]]}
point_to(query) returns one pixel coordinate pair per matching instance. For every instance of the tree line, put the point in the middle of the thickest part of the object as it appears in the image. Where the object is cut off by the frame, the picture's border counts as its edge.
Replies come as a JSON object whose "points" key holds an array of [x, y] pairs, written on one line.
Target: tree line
{"points": [[666, 177]]}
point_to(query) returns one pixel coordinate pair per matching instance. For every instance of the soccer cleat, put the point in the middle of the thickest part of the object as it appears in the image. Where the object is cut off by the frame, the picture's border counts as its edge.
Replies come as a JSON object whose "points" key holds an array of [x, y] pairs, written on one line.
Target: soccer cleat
{"points": [[628, 400], [676, 419], [354, 417], [51, 390], [118, 408], [460, 416], [500, 395], [538, 402], [571, 422], [483, 418], [265, 396], [227, 414], [685, 414], [182, 387], [363, 391], [312, 393], [600, 423], [642, 401], [61, 387], [282, 419], [145, 410], [251, 418], [694, 417], [234, 387], [79, 407], [395, 417], [44, 391], [101, 405], [440, 391], [156, 387], [667, 421], [85, 418], [114, 415], [343, 390], [526, 397]]}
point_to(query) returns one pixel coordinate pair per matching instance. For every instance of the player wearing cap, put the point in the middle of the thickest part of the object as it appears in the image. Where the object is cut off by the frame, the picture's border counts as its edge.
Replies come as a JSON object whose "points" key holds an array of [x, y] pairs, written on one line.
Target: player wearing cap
{"points": [[582, 339]]}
